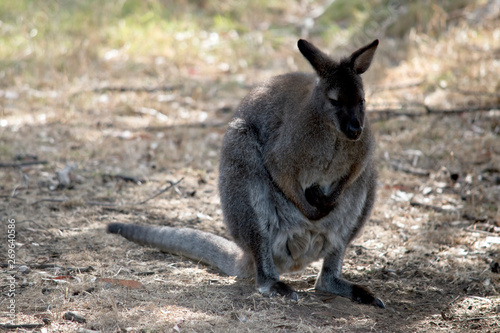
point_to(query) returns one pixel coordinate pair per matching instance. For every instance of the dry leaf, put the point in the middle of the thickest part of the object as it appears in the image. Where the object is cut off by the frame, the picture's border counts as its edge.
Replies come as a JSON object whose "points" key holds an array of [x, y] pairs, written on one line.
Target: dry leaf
{"points": [[125, 283]]}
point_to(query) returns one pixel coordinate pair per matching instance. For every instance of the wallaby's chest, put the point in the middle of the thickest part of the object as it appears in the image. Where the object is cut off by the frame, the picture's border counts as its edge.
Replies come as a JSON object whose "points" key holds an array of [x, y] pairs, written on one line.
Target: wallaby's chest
{"points": [[327, 170]]}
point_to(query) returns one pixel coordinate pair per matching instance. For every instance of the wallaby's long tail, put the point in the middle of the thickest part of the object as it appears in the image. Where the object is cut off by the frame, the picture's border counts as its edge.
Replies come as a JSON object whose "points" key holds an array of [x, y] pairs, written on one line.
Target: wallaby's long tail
{"points": [[194, 244]]}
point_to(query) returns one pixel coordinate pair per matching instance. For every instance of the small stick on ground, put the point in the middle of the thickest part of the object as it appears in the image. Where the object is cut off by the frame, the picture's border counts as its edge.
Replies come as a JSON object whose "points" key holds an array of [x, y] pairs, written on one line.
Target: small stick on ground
{"points": [[31, 221], [88, 203], [50, 200], [398, 86], [399, 166], [136, 89], [21, 164], [162, 191], [12, 197], [125, 178], [431, 207], [62, 268], [20, 326], [386, 113]]}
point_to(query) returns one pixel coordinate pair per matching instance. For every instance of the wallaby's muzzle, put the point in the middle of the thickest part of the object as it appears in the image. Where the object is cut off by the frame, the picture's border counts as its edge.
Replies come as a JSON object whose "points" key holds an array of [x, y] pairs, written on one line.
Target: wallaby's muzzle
{"points": [[354, 130]]}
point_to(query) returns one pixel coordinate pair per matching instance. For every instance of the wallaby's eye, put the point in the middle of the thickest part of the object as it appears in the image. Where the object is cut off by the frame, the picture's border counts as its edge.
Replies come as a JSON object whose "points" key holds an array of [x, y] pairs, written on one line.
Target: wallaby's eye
{"points": [[334, 102], [362, 102]]}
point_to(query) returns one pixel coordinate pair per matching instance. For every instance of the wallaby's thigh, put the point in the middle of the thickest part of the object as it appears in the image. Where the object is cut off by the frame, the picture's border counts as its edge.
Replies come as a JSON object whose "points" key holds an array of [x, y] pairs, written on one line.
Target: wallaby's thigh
{"points": [[245, 199], [246, 192], [244, 187]]}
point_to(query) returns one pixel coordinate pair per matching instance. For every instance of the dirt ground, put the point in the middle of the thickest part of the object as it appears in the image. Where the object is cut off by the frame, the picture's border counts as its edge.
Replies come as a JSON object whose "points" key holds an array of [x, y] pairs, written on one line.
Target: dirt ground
{"points": [[78, 155]]}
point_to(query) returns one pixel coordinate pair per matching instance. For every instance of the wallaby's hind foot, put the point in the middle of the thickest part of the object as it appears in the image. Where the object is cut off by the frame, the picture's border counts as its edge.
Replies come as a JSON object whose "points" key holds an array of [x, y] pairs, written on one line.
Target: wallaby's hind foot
{"points": [[279, 288], [338, 286], [330, 281], [363, 295], [355, 292]]}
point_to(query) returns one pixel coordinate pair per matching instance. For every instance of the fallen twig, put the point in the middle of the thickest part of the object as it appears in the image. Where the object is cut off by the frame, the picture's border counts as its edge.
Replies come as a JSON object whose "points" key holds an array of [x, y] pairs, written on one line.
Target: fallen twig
{"points": [[62, 268], [386, 113], [121, 282], [133, 89], [12, 197], [49, 200], [99, 203], [31, 221], [473, 230], [107, 204], [162, 191], [124, 178], [20, 326], [486, 227], [434, 208], [474, 218], [21, 164], [400, 166], [479, 318], [462, 110], [190, 125], [74, 317], [88, 203], [476, 93], [398, 86], [152, 112]]}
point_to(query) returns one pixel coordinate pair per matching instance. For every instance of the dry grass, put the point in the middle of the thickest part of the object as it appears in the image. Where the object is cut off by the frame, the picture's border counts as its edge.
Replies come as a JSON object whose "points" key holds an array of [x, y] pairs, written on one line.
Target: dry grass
{"points": [[428, 251]]}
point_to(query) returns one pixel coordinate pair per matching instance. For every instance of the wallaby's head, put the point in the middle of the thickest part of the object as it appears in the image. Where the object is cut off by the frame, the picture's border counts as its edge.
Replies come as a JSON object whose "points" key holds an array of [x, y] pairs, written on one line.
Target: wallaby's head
{"points": [[339, 94]]}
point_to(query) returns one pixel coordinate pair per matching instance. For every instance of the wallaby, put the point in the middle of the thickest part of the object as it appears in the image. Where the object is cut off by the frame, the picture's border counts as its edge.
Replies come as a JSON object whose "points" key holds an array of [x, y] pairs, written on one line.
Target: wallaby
{"points": [[297, 180]]}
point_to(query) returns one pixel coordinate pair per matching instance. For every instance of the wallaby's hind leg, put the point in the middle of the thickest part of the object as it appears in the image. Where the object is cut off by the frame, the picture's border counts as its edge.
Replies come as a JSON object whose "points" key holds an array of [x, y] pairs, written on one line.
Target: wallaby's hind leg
{"points": [[330, 280], [266, 275], [249, 226], [249, 211]]}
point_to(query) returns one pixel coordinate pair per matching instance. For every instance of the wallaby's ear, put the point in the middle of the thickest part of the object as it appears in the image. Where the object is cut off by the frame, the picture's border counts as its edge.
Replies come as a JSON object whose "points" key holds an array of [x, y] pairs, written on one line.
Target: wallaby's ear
{"points": [[319, 60], [362, 58]]}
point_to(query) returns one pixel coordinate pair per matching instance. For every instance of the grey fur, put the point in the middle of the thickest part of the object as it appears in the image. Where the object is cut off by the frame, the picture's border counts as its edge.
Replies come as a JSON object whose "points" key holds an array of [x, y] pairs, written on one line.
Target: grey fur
{"points": [[297, 180]]}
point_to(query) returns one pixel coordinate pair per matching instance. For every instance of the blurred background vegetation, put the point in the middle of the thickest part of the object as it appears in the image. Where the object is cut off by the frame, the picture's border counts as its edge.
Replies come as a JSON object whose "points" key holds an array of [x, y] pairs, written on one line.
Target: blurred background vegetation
{"points": [[443, 52], [44, 41]]}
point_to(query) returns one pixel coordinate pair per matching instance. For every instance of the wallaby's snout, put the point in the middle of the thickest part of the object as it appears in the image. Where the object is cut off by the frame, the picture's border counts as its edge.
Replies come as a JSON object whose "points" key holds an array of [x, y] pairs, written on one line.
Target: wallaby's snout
{"points": [[354, 129], [352, 125], [350, 122]]}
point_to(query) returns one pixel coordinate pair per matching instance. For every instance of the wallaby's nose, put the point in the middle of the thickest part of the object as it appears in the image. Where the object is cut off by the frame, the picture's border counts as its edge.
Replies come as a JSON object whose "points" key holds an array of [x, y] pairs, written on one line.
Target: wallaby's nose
{"points": [[354, 129]]}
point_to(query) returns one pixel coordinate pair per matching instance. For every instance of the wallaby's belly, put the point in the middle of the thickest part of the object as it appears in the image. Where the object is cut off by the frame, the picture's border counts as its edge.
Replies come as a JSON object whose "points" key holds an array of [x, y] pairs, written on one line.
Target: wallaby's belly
{"points": [[297, 242], [295, 252]]}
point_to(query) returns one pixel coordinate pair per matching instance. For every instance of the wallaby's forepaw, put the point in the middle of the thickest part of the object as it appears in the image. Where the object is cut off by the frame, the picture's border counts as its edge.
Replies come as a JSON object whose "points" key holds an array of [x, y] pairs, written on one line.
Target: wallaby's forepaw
{"points": [[363, 295], [282, 289], [316, 197]]}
